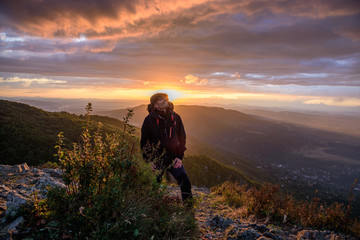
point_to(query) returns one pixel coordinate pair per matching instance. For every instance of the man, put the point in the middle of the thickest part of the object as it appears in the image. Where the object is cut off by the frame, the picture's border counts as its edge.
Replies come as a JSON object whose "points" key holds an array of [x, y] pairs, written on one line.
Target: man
{"points": [[163, 141]]}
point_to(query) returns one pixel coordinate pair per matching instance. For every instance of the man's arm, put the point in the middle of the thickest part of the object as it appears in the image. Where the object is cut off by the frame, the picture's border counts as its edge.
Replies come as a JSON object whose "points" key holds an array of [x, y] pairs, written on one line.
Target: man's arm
{"points": [[181, 138]]}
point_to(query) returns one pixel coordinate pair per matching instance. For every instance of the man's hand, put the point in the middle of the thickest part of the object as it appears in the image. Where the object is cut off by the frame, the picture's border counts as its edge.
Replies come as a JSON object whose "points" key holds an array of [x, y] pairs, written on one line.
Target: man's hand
{"points": [[177, 163]]}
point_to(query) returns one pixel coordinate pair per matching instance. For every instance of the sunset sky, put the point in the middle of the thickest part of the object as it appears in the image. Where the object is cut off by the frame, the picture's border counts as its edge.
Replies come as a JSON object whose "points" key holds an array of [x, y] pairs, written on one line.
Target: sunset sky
{"points": [[266, 53]]}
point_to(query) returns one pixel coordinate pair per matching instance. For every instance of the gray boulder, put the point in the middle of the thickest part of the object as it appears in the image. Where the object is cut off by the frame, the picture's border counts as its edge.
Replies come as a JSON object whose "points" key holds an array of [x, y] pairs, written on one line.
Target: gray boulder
{"points": [[248, 234], [219, 222]]}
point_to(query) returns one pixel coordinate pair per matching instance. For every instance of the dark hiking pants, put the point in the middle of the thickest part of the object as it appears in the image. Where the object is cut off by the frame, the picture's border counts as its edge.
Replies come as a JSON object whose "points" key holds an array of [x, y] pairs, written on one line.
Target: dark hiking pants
{"points": [[183, 181]]}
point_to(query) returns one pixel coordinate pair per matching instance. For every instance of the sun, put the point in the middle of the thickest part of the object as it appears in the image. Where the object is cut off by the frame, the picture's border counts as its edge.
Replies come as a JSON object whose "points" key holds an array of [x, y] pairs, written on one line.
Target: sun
{"points": [[172, 93]]}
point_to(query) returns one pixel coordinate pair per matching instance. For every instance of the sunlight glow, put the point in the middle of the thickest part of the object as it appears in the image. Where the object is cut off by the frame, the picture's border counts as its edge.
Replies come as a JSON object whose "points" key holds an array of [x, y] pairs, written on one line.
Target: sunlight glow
{"points": [[172, 93], [178, 95]]}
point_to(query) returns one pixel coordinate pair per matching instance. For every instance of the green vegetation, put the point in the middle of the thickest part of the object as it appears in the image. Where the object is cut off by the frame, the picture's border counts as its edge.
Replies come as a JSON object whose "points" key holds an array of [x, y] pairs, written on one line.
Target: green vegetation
{"points": [[28, 134], [110, 194], [270, 203], [205, 171]]}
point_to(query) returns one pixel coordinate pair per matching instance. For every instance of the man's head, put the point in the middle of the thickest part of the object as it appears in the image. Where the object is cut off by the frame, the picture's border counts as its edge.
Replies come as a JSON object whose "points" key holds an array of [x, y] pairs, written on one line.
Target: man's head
{"points": [[159, 101]]}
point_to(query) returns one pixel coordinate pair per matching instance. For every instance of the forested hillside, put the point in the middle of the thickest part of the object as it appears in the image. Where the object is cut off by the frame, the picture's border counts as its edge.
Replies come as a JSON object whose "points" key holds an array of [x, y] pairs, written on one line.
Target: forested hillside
{"points": [[29, 134]]}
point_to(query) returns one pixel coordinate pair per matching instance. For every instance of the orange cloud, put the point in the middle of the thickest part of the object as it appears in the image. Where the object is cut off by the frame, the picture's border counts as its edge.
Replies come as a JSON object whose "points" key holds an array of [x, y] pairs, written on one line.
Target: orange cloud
{"points": [[194, 80], [100, 19]]}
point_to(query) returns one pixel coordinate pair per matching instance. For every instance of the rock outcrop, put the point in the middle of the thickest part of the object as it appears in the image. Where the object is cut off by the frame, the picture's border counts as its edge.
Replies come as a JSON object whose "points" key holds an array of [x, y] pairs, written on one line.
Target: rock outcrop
{"points": [[18, 185]]}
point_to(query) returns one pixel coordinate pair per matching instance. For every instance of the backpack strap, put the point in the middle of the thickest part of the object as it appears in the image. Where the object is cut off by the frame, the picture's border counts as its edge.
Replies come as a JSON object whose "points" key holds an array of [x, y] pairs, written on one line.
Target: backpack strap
{"points": [[172, 118], [174, 122]]}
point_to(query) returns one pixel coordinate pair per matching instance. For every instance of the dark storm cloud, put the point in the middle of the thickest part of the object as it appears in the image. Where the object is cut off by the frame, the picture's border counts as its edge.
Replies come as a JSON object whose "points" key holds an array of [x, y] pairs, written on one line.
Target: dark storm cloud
{"points": [[286, 42], [30, 15], [109, 17]]}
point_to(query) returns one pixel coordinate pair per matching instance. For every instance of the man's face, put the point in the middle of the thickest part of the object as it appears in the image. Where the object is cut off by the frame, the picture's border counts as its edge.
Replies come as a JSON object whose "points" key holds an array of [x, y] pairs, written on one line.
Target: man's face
{"points": [[161, 104]]}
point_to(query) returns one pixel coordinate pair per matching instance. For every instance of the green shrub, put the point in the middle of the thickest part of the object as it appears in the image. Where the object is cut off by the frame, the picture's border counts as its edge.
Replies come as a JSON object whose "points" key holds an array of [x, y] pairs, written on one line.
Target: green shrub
{"points": [[110, 193]]}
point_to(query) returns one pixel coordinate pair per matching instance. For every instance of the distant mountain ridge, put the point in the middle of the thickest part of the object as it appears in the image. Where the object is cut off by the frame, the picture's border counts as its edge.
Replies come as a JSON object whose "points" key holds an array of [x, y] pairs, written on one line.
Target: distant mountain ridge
{"points": [[337, 123]]}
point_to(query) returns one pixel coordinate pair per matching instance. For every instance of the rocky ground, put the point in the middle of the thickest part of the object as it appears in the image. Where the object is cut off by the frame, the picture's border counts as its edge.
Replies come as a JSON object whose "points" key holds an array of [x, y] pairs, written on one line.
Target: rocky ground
{"points": [[216, 221], [18, 185], [219, 221]]}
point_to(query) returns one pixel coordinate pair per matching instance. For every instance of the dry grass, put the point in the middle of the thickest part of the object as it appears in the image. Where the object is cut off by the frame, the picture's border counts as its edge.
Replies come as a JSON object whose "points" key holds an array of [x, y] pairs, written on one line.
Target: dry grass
{"points": [[268, 202]]}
